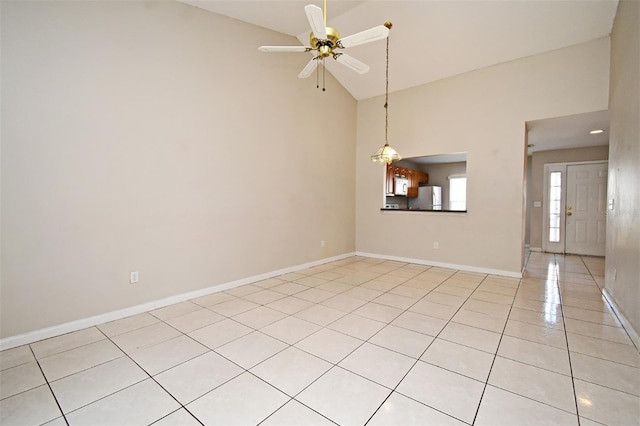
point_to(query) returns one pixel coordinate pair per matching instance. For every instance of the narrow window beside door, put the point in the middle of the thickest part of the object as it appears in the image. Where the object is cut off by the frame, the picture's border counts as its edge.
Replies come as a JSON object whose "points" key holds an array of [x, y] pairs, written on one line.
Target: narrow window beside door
{"points": [[555, 198]]}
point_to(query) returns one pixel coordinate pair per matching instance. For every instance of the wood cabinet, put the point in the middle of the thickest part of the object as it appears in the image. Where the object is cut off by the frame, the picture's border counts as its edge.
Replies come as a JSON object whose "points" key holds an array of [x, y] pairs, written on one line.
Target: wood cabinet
{"points": [[393, 171], [389, 176], [423, 178], [412, 176], [415, 178]]}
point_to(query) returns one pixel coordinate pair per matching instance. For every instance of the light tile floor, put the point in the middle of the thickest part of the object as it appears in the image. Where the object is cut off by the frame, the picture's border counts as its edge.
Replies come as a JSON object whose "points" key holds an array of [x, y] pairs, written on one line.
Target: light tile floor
{"points": [[352, 342]]}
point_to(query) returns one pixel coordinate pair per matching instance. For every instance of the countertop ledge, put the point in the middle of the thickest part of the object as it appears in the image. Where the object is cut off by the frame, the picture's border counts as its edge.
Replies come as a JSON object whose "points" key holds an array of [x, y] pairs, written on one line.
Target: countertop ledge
{"points": [[422, 210]]}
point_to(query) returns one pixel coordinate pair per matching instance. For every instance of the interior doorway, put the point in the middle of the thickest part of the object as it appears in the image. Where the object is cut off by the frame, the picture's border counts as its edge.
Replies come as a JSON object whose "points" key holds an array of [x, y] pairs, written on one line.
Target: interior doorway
{"points": [[575, 197]]}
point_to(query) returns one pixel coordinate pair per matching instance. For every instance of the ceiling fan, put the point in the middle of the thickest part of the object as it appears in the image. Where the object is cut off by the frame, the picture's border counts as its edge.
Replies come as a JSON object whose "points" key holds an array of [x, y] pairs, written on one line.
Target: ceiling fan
{"points": [[325, 41]]}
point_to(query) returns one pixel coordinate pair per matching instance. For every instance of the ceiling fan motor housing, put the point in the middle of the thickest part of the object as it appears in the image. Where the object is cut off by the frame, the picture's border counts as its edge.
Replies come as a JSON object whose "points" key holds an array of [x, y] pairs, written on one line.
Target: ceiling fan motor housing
{"points": [[325, 47]]}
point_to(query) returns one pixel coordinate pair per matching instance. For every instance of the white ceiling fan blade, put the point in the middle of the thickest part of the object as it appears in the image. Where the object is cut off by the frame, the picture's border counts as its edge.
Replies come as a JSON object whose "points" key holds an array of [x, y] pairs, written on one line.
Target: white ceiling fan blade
{"points": [[353, 63], [316, 21], [366, 36], [283, 48], [308, 69]]}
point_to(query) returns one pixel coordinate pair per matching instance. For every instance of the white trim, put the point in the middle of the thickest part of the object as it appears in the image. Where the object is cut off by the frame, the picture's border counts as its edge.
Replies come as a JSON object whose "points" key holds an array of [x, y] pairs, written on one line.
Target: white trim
{"points": [[56, 330], [536, 249], [443, 265], [633, 334]]}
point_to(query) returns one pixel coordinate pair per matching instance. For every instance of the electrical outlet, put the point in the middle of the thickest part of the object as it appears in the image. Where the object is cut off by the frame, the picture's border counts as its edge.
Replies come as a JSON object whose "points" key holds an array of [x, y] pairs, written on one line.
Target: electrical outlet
{"points": [[134, 277], [322, 243], [436, 245]]}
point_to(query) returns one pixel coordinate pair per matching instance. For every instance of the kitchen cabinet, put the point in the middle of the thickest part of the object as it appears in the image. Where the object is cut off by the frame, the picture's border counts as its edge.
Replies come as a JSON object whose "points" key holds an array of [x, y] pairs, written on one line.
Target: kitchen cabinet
{"points": [[393, 171], [412, 176], [389, 180], [423, 178], [415, 178]]}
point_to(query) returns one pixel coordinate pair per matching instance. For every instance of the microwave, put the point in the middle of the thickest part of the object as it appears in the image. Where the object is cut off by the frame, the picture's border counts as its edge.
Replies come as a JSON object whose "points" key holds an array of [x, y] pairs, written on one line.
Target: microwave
{"points": [[401, 186]]}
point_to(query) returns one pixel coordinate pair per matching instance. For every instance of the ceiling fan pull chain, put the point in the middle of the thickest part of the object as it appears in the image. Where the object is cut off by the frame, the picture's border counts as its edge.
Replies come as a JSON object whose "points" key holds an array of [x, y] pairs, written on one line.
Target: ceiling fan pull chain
{"points": [[323, 74]]}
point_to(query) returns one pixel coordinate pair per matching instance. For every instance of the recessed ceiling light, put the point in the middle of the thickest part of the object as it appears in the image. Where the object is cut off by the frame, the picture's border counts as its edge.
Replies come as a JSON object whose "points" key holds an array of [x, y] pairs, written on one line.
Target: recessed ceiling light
{"points": [[595, 132]]}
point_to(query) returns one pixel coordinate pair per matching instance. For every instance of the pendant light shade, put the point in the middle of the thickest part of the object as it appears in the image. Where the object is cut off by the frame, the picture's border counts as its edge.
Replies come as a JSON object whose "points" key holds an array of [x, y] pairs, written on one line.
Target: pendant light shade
{"points": [[386, 154]]}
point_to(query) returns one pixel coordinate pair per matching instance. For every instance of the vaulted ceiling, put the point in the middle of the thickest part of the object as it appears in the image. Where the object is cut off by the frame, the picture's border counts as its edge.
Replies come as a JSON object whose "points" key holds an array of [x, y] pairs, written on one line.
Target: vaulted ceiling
{"points": [[432, 39]]}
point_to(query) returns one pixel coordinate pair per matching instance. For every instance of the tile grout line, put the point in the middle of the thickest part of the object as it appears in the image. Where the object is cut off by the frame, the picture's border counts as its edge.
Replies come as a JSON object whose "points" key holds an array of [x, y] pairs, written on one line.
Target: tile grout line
{"points": [[606, 300], [569, 351], [570, 365], [425, 350], [360, 345], [486, 383], [259, 378], [184, 406], [386, 324], [249, 372], [64, 417], [150, 376], [334, 365], [573, 383], [83, 370], [291, 398]]}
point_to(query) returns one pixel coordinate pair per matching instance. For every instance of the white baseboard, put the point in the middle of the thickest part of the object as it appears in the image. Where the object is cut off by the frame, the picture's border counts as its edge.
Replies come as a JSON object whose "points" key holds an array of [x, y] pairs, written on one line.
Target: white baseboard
{"points": [[443, 265], [56, 330], [536, 249], [633, 334]]}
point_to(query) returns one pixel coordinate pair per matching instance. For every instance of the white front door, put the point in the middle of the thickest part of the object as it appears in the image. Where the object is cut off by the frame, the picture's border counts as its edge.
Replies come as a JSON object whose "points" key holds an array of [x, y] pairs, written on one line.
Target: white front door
{"points": [[585, 209]]}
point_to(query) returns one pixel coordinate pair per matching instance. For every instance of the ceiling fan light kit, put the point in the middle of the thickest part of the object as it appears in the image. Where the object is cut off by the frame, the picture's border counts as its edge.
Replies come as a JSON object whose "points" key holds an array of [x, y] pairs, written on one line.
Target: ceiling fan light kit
{"points": [[325, 46], [386, 154], [324, 42]]}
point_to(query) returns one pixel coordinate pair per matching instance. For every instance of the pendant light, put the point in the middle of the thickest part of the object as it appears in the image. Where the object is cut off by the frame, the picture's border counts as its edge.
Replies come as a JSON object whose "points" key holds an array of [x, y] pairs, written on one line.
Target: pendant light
{"points": [[386, 154]]}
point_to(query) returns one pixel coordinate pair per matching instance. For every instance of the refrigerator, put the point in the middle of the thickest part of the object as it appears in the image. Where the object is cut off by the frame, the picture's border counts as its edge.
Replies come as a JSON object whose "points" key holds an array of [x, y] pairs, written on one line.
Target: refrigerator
{"points": [[429, 198]]}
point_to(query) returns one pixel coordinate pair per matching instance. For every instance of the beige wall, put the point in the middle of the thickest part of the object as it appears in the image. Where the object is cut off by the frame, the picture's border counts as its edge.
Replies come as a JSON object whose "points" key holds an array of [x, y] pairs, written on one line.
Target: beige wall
{"points": [[153, 136], [538, 160], [482, 113], [622, 275]]}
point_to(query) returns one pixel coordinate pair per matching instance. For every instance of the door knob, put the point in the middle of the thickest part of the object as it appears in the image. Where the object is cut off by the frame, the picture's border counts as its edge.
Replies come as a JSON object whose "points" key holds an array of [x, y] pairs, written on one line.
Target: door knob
{"points": [[569, 213]]}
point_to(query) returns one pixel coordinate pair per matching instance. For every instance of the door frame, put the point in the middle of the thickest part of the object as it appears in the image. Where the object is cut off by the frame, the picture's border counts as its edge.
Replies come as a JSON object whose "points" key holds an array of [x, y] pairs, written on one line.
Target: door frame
{"points": [[560, 246]]}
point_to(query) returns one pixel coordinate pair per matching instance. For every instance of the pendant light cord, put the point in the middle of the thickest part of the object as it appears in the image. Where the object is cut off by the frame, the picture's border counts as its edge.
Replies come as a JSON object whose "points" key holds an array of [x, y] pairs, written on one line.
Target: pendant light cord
{"points": [[386, 99], [386, 154]]}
